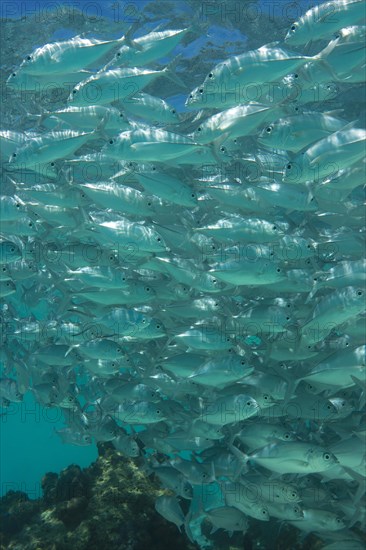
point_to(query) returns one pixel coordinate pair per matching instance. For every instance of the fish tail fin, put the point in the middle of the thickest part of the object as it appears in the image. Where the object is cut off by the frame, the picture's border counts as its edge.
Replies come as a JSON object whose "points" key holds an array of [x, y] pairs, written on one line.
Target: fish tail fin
{"points": [[127, 37], [171, 73], [323, 54], [71, 348], [242, 457]]}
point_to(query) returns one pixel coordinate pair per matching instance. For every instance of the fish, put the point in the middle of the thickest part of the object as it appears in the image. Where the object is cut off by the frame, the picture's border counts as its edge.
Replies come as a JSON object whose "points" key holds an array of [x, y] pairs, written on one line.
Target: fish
{"points": [[9, 391], [149, 144], [311, 166], [235, 122], [149, 47], [228, 518], [181, 272], [151, 108], [321, 21], [87, 117], [119, 84], [47, 148], [319, 520], [237, 496], [67, 56], [296, 457], [269, 63], [297, 132], [169, 508], [167, 187]]}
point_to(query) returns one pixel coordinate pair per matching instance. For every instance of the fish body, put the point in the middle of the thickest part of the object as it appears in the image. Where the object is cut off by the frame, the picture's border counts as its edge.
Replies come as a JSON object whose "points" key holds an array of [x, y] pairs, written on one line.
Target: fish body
{"points": [[322, 20], [67, 56], [113, 85], [149, 47]]}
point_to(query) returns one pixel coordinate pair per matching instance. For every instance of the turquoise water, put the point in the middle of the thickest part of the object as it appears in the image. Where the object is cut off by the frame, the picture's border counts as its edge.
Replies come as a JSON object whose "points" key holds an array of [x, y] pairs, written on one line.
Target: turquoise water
{"points": [[30, 447]]}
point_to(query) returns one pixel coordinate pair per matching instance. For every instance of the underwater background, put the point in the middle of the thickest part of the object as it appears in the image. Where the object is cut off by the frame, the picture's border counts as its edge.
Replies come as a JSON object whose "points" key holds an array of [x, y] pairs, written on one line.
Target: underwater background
{"points": [[30, 446]]}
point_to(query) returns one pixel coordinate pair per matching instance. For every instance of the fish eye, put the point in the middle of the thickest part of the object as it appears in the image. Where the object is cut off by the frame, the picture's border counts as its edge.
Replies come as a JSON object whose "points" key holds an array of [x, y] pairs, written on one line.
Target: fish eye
{"points": [[286, 436], [118, 54], [296, 75], [249, 403], [199, 129], [74, 91], [193, 196], [30, 224], [111, 141], [201, 90], [149, 203], [190, 96], [14, 74], [269, 129], [29, 57], [147, 289], [223, 149], [274, 228], [121, 115], [210, 75], [293, 28], [174, 111], [326, 456], [157, 326], [359, 293], [264, 512], [289, 166], [14, 155], [158, 411], [278, 270], [158, 239]]}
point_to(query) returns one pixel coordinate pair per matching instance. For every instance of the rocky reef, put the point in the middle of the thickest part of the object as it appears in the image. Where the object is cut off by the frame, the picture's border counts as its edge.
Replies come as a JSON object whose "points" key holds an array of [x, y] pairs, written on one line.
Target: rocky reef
{"points": [[109, 505]]}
